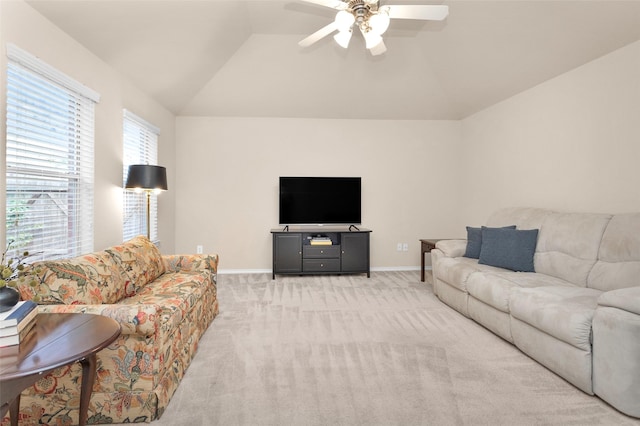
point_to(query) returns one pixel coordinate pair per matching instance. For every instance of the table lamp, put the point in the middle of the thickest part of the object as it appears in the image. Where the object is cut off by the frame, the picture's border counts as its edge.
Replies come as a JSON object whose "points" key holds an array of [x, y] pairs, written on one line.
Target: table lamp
{"points": [[147, 178]]}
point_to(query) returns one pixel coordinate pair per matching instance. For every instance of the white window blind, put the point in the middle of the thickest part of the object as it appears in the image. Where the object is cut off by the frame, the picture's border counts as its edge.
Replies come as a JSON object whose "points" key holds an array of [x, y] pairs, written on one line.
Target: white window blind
{"points": [[140, 147], [49, 159]]}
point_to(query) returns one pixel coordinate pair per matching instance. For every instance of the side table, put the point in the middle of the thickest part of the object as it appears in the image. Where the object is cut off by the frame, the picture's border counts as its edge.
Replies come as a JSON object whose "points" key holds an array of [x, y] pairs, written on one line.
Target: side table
{"points": [[426, 246], [57, 340]]}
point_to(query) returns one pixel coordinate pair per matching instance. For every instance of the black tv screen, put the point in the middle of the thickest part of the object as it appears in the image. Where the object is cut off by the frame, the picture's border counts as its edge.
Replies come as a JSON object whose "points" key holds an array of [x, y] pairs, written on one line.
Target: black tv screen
{"points": [[320, 200]]}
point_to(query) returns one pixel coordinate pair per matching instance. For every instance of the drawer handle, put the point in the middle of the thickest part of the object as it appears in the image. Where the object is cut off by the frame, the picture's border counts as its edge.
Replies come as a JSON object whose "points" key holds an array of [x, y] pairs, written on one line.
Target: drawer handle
{"points": [[321, 251]]}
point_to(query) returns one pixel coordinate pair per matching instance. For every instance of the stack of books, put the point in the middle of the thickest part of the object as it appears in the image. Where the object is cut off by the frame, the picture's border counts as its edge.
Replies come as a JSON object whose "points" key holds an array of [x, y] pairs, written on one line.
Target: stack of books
{"points": [[17, 323], [321, 241]]}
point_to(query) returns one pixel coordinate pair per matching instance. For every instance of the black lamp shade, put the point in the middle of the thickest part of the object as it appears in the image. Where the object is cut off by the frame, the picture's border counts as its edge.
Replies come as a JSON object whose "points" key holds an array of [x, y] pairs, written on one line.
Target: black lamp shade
{"points": [[145, 176]]}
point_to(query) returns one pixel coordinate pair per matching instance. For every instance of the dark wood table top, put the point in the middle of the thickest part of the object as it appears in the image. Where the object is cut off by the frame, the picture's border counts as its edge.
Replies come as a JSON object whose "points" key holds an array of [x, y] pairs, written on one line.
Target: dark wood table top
{"points": [[431, 241], [55, 341]]}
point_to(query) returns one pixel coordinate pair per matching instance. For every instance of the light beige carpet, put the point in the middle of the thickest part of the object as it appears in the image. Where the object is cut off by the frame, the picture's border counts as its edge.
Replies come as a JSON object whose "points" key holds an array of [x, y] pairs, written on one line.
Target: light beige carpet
{"points": [[347, 350]]}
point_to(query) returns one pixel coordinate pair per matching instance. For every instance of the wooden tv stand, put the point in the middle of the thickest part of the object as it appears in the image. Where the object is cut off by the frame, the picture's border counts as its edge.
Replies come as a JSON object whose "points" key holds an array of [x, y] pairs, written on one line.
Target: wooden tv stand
{"points": [[293, 253]]}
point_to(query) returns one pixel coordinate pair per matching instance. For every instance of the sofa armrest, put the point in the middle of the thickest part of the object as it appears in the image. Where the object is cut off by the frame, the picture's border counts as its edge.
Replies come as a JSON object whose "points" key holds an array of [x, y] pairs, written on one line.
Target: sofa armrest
{"points": [[143, 319], [452, 248], [616, 349], [191, 262], [627, 299]]}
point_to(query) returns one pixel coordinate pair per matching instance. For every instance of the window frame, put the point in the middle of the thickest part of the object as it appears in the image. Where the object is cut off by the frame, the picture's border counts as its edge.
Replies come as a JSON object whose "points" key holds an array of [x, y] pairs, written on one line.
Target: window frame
{"points": [[49, 159], [140, 146]]}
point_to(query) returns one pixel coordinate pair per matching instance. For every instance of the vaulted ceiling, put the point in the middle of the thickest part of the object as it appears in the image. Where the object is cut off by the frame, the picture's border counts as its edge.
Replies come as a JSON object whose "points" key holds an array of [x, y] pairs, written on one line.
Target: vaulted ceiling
{"points": [[241, 58]]}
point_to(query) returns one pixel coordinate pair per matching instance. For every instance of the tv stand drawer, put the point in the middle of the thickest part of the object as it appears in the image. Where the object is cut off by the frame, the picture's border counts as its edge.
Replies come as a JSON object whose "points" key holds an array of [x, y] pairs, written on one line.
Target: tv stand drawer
{"points": [[321, 265], [321, 252]]}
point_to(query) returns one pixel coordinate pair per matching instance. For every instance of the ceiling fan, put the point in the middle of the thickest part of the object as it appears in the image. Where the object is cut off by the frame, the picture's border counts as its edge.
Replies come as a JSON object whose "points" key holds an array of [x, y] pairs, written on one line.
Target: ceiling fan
{"points": [[371, 18]]}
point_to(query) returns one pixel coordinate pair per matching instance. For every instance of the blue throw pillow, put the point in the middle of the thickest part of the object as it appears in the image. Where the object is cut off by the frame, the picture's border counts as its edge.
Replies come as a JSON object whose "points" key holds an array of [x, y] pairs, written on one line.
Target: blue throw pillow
{"points": [[509, 248], [474, 241]]}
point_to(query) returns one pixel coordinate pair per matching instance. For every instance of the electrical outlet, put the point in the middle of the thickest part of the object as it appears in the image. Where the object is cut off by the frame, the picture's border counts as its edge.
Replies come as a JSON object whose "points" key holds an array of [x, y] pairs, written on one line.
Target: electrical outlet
{"points": [[405, 246], [399, 247], [199, 249]]}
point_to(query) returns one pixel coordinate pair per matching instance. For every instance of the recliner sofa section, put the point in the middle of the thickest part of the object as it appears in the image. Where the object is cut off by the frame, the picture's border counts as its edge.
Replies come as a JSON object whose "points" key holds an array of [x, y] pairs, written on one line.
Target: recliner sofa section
{"points": [[578, 314]]}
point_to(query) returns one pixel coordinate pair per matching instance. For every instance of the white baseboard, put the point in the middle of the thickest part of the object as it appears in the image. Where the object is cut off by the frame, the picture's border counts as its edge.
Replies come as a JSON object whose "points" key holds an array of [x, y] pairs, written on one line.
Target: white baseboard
{"points": [[243, 271], [398, 268], [268, 271]]}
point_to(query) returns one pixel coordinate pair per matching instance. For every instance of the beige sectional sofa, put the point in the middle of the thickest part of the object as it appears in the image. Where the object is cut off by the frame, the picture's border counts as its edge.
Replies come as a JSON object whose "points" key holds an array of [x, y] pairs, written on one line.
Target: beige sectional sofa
{"points": [[578, 313], [164, 304]]}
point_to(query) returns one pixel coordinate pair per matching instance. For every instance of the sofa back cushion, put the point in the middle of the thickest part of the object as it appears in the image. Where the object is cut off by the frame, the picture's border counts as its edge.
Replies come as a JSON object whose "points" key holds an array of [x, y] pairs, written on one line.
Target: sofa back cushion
{"points": [[618, 264], [93, 278], [141, 262], [568, 243]]}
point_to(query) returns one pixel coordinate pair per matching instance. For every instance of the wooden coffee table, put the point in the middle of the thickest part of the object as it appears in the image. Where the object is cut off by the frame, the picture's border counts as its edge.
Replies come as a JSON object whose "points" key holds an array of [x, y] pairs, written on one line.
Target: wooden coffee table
{"points": [[59, 339]]}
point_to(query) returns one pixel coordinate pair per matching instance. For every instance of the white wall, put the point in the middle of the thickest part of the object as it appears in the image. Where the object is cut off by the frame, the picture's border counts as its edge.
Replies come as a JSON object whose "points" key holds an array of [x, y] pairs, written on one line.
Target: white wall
{"points": [[571, 143], [23, 26], [228, 169]]}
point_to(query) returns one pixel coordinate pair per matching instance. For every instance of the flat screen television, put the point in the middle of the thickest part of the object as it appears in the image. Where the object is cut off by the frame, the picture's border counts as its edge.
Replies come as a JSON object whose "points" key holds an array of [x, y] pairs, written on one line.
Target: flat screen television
{"points": [[320, 200]]}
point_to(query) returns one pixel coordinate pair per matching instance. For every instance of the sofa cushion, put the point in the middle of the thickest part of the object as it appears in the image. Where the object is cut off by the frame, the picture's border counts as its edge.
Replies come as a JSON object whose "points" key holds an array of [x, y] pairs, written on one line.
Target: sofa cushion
{"points": [[141, 261], [494, 288], [509, 248], [568, 245], [474, 241], [93, 278], [618, 264], [564, 312], [176, 293]]}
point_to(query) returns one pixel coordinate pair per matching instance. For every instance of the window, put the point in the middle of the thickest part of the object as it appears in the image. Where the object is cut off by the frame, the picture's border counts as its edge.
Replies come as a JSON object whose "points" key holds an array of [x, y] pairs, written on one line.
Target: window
{"points": [[140, 147], [49, 159]]}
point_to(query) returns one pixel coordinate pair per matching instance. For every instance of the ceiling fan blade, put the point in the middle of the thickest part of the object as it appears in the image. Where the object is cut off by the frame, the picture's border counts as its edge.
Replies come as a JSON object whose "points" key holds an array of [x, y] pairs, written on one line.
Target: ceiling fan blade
{"points": [[322, 32], [334, 4], [378, 49], [423, 12]]}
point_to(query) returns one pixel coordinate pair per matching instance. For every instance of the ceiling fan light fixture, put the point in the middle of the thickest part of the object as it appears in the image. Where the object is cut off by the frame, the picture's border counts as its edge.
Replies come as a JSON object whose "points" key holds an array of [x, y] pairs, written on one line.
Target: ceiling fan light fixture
{"points": [[344, 20], [371, 19], [379, 23], [343, 38], [372, 39]]}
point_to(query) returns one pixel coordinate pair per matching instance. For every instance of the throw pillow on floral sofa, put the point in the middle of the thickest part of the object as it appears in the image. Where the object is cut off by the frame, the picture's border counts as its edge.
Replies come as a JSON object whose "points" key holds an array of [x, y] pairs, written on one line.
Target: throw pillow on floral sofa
{"points": [[164, 303]]}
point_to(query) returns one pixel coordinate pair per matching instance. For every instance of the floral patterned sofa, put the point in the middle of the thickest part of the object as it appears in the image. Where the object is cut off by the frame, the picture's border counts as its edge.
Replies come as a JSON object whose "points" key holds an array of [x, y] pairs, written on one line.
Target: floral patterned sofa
{"points": [[163, 303]]}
